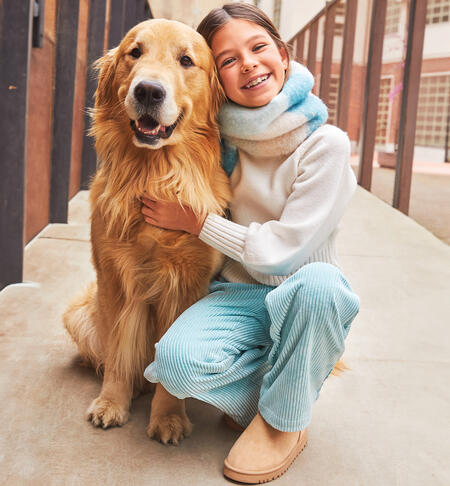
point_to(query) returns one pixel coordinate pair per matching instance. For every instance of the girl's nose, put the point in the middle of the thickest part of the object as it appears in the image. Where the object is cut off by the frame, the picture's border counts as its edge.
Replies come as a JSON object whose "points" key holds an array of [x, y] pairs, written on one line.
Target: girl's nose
{"points": [[248, 64]]}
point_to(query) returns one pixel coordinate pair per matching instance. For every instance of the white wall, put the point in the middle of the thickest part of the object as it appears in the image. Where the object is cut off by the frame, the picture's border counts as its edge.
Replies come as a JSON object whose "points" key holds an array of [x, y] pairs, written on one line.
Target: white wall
{"points": [[437, 40], [294, 14], [189, 12], [429, 154]]}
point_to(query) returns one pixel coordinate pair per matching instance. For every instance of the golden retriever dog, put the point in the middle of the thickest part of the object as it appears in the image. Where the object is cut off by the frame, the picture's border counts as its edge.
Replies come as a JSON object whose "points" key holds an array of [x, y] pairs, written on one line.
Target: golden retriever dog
{"points": [[155, 128]]}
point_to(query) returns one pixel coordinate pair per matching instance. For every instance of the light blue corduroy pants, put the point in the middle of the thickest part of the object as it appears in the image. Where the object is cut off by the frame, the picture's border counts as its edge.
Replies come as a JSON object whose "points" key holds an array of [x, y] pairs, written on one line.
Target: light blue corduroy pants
{"points": [[245, 348]]}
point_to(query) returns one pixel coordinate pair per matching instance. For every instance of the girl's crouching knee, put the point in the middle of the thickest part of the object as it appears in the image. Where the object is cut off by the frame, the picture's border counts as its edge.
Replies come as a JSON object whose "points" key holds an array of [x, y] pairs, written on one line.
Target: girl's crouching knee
{"points": [[175, 367], [317, 290], [330, 294]]}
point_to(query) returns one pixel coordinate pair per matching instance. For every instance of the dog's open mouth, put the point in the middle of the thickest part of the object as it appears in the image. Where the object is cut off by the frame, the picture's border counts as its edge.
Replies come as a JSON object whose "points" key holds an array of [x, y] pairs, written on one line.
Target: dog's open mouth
{"points": [[150, 131]]}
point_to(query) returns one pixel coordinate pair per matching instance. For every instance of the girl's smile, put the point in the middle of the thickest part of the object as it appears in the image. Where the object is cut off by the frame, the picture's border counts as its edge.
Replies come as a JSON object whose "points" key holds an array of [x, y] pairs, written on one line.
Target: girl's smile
{"points": [[256, 81], [251, 66]]}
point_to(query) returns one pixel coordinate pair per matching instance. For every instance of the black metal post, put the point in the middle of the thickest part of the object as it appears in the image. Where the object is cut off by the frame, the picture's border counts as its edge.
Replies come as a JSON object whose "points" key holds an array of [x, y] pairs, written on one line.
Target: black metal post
{"points": [[130, 15], [15, 47], [65, 66], [38, 23], [116, 16], [96, 35], [135, 11], [144, 11]]}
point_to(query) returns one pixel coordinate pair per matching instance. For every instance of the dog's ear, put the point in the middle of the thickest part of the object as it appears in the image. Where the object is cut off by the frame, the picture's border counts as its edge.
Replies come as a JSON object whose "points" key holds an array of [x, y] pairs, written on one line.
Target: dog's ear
{"points": [[105, 66], [217, 92]]}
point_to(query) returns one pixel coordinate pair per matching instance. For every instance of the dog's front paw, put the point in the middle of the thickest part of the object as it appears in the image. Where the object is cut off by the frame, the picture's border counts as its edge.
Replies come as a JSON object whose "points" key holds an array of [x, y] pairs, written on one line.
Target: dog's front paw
{"points": [[169, 428], [106, 413]]}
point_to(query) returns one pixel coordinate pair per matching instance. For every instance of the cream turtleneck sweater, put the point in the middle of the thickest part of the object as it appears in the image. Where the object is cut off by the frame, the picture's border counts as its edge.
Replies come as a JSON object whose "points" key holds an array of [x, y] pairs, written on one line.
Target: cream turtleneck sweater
{"points": [[285, 208]]}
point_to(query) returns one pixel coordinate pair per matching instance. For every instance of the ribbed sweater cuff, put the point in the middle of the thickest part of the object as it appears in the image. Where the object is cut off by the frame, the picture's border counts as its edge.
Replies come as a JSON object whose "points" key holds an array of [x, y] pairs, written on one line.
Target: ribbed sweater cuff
{"points": [[224, 235]]}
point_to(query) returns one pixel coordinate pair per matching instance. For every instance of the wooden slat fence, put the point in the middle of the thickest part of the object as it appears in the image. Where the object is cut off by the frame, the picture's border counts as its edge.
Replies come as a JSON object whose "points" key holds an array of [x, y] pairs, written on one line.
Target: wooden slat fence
{"points": [[21, 29], [411, 81]]}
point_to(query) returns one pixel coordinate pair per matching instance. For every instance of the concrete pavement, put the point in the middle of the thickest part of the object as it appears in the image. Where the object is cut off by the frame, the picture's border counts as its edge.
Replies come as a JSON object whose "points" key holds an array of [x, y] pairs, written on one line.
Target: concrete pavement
{"points": [[430, 193], [384, 422]]}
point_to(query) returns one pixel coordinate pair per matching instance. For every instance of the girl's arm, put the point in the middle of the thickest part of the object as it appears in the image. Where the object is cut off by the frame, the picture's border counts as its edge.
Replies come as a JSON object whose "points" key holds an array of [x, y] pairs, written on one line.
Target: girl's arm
{"points": [[171, 215], [319, 197], [324, 187]]}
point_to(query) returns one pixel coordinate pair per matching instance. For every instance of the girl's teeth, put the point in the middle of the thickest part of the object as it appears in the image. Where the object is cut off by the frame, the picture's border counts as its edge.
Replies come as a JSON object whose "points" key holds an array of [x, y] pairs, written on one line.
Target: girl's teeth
{"points": [[256, 81]]}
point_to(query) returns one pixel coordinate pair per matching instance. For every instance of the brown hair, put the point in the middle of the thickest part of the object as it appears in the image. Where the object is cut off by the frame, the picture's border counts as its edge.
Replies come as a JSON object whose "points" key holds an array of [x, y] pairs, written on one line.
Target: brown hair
{"points": [[218, 17]]}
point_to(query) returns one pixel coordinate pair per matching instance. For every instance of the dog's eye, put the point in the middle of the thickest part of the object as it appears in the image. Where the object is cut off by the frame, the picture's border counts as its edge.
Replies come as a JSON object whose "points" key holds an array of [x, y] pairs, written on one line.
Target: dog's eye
{"points": [[136, 52], [186, 61]]}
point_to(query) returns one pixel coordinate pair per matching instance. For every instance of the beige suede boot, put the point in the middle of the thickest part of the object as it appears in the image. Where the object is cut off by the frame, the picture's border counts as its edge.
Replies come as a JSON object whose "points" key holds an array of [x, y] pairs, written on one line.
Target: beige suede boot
{"points": [[263, 453]]}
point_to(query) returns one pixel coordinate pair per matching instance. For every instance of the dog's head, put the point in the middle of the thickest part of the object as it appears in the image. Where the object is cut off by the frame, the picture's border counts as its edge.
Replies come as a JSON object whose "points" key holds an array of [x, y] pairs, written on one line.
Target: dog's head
{"points": [[151, 83]]}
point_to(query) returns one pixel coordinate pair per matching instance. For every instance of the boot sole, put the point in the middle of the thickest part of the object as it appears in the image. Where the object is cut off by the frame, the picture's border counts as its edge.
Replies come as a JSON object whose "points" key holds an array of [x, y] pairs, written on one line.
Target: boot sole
{"points": [[257, 477]]}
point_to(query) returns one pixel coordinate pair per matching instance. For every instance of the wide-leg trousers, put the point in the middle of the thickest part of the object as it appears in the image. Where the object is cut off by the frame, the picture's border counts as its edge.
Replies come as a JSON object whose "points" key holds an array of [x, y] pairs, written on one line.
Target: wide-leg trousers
{"points": [[246, 347]]}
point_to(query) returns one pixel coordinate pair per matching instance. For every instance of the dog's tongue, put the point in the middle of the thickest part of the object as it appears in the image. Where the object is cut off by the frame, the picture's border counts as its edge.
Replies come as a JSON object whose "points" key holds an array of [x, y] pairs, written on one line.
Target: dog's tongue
{"points": [[147, 122], [149, 126]]}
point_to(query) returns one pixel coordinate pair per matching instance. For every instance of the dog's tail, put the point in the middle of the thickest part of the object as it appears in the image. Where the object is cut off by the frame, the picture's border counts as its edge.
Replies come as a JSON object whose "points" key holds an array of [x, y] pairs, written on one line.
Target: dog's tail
{"points": [[79, 321], [339, 368]]}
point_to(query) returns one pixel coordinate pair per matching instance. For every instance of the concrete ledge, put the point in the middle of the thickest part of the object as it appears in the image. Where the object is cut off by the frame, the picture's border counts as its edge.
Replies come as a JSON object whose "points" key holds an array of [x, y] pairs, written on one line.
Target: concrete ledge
{"points": [[382, 422]]}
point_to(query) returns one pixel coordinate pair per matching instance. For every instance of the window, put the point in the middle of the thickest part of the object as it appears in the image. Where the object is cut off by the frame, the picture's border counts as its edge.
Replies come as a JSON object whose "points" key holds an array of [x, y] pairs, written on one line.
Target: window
{"points": [[433, 110], [381, 135], [339, 20], [438, 11], [277, 13], [333, 99], [392, 17]]}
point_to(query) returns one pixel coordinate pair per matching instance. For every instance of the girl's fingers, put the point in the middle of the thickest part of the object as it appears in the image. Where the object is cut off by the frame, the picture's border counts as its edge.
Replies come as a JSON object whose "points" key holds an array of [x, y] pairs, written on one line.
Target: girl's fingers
{"points": [[146, 210], [147, 201]]}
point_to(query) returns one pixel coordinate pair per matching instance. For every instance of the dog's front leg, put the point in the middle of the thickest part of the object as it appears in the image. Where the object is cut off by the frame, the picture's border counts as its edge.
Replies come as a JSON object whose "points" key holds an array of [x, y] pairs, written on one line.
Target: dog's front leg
{"points": [[168, 420], [111, 407]]}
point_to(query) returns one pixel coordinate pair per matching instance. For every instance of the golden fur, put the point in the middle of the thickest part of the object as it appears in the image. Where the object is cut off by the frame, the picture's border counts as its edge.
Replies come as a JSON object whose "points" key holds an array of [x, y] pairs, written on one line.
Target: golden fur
{"points": [[146, 276]]}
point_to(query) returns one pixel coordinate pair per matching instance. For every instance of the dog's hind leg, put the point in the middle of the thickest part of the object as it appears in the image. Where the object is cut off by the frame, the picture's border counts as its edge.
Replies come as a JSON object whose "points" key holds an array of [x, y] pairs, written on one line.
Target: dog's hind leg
{"points": [[80, 322]]}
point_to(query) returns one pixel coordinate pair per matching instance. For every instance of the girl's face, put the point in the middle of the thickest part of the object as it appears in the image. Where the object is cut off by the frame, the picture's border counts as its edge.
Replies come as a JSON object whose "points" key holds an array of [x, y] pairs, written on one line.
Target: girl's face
{"points": [[251, 66]]}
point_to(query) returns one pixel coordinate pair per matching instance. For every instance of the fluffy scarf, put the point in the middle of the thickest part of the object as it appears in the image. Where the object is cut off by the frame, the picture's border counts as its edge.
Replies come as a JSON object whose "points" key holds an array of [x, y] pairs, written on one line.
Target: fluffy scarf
{"points": [[275, 129]]}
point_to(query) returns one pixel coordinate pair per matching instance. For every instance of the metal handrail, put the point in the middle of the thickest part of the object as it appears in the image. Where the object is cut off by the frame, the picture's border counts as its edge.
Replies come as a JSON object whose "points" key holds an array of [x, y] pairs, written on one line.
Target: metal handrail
{"points": [[411, 81]]}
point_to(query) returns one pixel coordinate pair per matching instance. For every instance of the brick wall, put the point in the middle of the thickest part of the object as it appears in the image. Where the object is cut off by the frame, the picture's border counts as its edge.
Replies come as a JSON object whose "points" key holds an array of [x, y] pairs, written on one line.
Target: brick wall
{"points": [[39, 119]]}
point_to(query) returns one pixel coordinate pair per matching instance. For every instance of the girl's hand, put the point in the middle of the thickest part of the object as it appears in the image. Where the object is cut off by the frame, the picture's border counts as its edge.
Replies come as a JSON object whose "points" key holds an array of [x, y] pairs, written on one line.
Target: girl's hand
{"points": [[170, 215]]}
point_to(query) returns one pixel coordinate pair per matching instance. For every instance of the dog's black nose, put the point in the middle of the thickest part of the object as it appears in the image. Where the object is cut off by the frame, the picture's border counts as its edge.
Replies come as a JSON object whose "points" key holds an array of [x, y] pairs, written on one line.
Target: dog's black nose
{"points": [[149, 93]]}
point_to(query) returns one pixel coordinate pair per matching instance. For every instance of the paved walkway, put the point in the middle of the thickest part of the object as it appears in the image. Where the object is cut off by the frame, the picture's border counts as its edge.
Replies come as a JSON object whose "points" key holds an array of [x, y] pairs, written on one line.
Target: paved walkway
{"points": [[384, 422], [430, 193]]}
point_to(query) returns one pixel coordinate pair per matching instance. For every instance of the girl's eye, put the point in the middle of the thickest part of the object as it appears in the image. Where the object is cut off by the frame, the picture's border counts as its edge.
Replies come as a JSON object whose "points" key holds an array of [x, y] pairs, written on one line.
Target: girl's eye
{"points": [[259, 46], [227, 61], [186, 61], [136, 52]]}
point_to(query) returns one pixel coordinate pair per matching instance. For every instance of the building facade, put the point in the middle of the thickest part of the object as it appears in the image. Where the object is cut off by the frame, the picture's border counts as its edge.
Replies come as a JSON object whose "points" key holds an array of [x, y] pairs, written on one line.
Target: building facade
{"points": [[433, 117]]}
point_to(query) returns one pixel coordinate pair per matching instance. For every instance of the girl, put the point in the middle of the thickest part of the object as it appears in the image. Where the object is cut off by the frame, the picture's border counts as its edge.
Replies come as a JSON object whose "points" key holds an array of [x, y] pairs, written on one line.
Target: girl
{"points": [[261, 344]]}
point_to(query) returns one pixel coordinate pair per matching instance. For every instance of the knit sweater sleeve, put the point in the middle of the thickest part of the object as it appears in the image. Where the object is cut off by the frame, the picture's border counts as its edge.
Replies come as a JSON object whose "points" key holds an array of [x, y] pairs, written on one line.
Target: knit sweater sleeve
{"points": [[320, 194]]}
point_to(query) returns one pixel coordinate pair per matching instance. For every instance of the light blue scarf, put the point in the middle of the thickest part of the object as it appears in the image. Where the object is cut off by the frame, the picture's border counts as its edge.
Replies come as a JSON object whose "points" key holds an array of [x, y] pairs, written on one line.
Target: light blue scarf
{"points": [[276, 128]]}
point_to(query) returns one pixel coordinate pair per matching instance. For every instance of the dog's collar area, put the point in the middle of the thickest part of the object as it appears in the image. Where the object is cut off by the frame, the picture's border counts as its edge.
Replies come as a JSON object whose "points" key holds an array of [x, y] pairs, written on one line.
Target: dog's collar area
{"points": [[148, 130]]}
